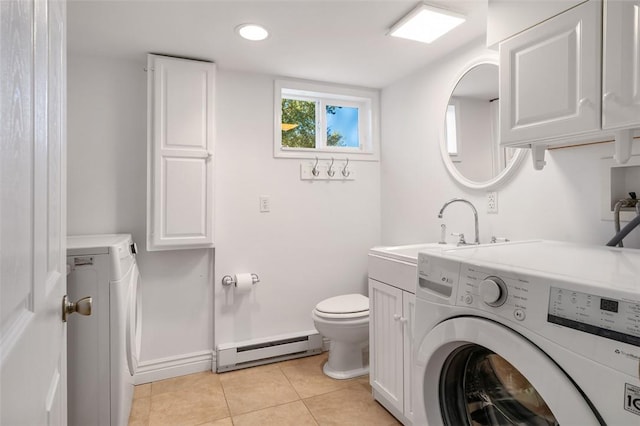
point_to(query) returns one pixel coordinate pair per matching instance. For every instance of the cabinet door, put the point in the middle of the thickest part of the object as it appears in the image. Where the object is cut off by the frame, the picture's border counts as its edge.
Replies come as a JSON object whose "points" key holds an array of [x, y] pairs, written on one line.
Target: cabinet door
{"points": [[550, 78], [408, 318], [621, 64], [386, 342], [180, 162]]}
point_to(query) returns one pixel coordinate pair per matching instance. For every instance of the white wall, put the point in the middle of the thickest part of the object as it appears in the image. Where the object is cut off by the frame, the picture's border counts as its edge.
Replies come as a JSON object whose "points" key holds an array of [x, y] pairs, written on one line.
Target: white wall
{"points": [[312, 245], [107, 194], [560, 202]]}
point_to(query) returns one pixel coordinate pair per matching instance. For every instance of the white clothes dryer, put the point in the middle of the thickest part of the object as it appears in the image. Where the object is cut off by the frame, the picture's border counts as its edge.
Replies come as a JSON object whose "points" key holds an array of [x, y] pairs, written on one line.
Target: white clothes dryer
{"points": [[530, 333], [103, 348]]}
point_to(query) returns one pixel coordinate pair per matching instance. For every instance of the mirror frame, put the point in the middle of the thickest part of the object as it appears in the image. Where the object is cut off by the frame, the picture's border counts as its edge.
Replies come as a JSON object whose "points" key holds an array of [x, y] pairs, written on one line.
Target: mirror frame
{"points": [[505, 175]]}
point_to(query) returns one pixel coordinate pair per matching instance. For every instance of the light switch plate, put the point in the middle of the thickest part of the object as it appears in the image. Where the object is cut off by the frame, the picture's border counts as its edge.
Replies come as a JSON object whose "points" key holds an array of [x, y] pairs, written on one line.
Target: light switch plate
{"points": [[265, 204]]}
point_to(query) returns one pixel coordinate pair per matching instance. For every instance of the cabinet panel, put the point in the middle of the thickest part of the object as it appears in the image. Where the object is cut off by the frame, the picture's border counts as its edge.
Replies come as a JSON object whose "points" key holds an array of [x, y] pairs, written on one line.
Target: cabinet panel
{"points": [[184, 113], [550, 77], [621, 65], [386, 342], [181, 138], [183, 198]]}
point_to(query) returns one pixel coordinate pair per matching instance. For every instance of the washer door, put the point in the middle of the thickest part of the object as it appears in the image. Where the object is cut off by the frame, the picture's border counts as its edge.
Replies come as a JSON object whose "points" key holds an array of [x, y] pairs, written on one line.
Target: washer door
{"points": [[476, 372], [133, 325]]}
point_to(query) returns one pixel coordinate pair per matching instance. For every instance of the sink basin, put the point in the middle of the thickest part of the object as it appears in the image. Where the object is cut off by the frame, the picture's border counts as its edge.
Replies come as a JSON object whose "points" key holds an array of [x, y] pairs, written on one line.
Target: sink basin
{"points": [[408, 253]]}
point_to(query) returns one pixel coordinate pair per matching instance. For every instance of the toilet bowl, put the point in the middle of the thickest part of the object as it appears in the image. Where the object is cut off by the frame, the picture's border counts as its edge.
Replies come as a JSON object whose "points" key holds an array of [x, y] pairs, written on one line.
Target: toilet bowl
{"points": [[345, 321]]}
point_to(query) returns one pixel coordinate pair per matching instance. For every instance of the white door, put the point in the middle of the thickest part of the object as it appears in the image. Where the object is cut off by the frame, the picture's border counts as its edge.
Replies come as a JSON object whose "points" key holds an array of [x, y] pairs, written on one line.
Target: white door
{"points": [[32, 212], [550, 77], [386, 342], [621, 64]]}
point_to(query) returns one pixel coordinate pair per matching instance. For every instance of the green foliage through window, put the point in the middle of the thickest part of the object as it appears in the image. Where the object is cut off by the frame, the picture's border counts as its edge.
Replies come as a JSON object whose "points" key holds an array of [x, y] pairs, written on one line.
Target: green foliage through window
{"points": [[298, 123]]}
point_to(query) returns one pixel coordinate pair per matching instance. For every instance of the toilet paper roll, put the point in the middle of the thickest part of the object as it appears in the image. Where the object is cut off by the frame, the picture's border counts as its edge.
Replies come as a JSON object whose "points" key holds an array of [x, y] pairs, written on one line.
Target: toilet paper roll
{"points": [[244, 282]]}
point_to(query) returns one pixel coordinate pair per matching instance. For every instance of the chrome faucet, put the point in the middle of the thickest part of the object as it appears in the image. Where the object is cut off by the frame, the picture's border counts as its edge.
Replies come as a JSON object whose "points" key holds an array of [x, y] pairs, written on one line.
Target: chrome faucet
{"points": [[475, 214]]}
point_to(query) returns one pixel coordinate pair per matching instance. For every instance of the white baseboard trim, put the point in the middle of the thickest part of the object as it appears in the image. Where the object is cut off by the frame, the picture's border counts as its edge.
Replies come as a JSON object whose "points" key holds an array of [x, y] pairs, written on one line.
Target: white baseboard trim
{"points": [[179, 365]]}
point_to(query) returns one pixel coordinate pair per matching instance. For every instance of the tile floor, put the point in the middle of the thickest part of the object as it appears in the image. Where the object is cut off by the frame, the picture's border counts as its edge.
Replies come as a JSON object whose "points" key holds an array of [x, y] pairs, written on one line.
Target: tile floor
{"points": [[294, 392]]}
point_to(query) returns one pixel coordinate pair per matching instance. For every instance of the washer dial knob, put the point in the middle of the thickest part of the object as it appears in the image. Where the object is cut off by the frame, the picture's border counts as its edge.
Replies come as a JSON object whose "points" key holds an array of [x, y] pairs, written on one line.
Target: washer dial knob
{"points": [[493, 291]]}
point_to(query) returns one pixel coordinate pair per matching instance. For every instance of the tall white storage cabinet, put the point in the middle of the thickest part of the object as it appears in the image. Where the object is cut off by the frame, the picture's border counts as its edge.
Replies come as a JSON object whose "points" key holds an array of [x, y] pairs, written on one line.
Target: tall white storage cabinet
{"points": [[180, 153], [550, 77]]}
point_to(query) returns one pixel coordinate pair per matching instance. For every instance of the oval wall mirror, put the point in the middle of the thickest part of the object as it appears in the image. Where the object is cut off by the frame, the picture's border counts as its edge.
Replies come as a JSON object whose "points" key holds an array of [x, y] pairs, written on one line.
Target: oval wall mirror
{"points": [[470, 143]]}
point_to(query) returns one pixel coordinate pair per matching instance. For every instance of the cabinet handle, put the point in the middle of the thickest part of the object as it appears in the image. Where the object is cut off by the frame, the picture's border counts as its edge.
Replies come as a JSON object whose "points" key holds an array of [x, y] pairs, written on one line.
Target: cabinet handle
{"points": [[584, 102], [396, 317], [404, 320], [206, 156], [609, 97]]}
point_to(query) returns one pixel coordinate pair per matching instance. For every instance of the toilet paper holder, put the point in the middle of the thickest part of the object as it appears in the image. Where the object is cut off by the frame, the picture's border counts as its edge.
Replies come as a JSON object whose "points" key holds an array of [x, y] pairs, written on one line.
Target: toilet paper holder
{"points": [[228, 280]]}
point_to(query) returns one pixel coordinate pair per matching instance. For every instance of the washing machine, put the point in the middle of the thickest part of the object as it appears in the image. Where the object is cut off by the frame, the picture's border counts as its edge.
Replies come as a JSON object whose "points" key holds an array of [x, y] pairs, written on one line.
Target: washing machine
{"points": [[103, 348], [527, 333]]}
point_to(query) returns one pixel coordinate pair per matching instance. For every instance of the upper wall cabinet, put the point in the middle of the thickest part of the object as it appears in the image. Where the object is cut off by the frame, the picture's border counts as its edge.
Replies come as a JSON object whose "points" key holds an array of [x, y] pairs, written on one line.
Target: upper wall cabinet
{"points": [[180, 153], [621, 65], [550, 78], [564, 81], [506, 18]]}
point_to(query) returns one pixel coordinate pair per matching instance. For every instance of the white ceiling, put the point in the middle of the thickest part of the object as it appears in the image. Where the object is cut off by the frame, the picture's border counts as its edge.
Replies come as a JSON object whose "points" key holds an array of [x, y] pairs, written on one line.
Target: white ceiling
{"points": [[329, 40]]}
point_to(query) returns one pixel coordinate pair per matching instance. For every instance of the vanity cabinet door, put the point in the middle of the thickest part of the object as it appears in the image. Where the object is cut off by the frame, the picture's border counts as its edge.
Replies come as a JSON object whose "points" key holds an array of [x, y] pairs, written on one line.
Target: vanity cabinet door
{"points": [[386, 358], [180, 156], [408, 312], [621, 65], [550, 78]]}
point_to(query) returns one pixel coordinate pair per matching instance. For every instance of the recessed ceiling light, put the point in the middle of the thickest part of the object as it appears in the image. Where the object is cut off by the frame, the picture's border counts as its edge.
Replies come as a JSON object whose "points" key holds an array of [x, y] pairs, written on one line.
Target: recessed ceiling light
{"points": [[252, 32], [426, 23]]}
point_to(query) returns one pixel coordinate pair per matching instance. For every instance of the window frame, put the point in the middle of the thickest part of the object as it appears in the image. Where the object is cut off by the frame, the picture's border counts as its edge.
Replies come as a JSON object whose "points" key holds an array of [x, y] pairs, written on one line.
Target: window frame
{"points": [[366, 100]]}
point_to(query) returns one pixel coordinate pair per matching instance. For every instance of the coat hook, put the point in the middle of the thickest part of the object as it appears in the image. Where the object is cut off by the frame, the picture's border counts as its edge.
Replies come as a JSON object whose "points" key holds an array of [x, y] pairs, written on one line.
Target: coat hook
{"points": [[346, 172], [330, 170], [315, 170]]}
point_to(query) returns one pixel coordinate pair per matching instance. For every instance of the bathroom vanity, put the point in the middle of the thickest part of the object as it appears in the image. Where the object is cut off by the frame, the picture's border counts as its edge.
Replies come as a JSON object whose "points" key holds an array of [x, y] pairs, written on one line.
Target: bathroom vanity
{"points": [[392, 282]]}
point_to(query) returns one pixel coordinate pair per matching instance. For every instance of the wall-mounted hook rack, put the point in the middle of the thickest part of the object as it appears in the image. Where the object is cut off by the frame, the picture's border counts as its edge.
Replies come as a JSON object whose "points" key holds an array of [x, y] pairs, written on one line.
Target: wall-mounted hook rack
{"points": [[315, 170]]}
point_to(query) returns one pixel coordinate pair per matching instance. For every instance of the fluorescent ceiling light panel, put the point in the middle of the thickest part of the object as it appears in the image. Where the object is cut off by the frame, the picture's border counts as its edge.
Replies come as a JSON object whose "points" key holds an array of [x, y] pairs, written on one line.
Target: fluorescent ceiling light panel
{"points": [[426, 23], [252, 32]]}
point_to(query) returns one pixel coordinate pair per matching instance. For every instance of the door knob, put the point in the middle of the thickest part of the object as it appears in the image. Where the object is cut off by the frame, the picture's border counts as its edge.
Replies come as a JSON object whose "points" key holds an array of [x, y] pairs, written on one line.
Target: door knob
{"points": [[82, 307]]}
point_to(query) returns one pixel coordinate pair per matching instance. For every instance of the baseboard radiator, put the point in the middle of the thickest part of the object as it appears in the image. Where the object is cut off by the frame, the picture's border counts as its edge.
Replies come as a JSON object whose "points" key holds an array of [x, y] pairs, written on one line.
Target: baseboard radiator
{"points": [[249, 353]]}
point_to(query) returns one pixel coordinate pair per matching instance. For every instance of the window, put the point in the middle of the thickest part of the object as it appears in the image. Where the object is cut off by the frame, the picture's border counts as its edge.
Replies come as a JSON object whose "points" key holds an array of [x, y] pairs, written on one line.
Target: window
{"points": [[313, 119], [451, 130]]}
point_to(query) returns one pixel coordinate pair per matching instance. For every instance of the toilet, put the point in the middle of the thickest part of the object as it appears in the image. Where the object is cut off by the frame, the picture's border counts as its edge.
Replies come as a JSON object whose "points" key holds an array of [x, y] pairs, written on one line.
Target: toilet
{"points": [[345, 321]]}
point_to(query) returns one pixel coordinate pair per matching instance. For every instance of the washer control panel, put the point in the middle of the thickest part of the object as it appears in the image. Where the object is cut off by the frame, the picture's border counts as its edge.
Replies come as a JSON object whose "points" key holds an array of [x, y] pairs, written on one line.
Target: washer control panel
{"points": [[614, 319], [505, 295]]}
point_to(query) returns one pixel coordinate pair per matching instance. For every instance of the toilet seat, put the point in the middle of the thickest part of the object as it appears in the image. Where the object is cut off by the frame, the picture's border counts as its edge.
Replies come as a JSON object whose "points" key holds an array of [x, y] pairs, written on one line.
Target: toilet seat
{"points": [[348, 306]]}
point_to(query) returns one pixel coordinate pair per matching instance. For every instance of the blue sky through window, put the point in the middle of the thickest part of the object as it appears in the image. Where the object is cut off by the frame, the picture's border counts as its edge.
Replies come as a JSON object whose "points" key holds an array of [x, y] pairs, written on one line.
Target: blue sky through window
{"points": [[345, 122]]}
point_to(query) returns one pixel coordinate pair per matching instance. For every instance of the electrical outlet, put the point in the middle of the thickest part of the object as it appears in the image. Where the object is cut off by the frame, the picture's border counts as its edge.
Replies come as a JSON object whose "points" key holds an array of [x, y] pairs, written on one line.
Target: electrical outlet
{"points": [[492, 202], [265, 204]]}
